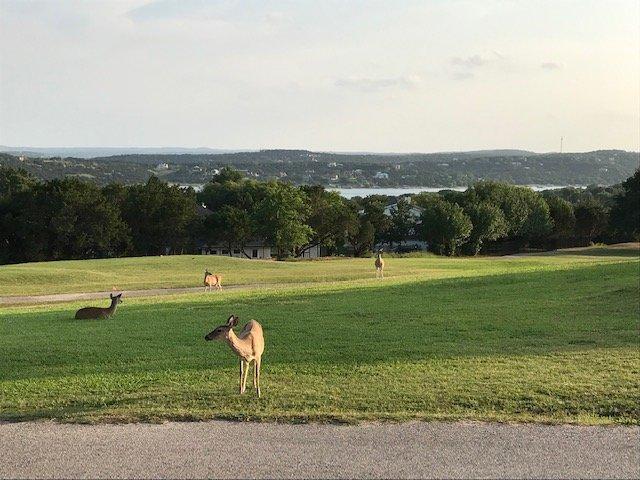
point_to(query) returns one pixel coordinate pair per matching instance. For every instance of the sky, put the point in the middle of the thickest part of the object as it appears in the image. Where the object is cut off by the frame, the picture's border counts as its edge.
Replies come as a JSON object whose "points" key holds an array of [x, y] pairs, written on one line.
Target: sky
{"points": [[350, 75]]}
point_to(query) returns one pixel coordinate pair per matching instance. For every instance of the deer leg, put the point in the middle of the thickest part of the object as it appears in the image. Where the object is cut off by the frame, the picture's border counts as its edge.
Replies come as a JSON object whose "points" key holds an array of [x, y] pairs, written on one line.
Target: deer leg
{"points": [[256, 374], [241, 373], [245, 366]]}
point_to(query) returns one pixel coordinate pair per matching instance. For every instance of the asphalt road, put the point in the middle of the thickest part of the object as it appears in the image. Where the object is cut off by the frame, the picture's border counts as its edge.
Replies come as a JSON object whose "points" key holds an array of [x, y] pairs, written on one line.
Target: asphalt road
{"points": [[262, 450]]}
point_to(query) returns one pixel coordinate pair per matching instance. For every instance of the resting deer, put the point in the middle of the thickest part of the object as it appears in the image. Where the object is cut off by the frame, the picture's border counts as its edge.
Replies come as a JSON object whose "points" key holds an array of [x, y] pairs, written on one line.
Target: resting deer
{"points": [[248, 346], [211, 280], [99, 312], [379, 265]]}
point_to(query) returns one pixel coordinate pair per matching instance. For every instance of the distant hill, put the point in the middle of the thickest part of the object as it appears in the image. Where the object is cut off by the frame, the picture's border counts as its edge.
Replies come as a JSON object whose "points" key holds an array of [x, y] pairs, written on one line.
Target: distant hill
{"points": [[93, 152], [448, 169]]}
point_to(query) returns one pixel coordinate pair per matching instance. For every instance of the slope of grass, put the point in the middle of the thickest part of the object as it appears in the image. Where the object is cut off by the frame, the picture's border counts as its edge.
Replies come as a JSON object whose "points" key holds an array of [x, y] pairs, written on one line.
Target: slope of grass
{"points": [[188, 270], [548, 342]]}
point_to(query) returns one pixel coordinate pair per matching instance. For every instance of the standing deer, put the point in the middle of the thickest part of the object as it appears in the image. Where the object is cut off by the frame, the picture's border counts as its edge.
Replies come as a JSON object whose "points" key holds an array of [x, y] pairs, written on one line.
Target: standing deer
{"points": [[211, 280], [379, 265], [99, 312], [248, 346]]}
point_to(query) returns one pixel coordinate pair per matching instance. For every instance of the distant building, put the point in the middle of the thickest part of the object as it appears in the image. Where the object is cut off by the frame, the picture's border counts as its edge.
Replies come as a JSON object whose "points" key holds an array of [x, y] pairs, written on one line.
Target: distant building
{"points": [[415, 212], [381, 175], [255, 249], [162, 166]]}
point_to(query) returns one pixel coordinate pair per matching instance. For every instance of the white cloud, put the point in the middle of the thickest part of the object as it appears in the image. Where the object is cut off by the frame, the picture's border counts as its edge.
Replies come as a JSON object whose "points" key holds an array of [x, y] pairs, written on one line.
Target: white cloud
{"points": [[373, 84], [363, 74], [550, 66], [474, 61]]}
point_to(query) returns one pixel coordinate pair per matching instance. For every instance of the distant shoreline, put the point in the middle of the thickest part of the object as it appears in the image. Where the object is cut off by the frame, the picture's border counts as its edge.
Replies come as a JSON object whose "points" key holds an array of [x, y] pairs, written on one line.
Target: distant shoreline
{"points": [[350, 192]]}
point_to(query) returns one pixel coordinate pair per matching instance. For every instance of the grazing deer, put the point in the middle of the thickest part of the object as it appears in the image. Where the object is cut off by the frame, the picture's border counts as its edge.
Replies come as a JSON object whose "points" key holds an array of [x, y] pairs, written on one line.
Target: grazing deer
{"points": [[379, 265], [211, 280], [99, 312], [248, 346]]}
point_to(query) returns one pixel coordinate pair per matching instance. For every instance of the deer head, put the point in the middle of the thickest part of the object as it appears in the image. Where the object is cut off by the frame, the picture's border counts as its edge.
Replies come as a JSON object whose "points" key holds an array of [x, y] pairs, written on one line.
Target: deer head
{"points": [[222, 332], [115, 298]]}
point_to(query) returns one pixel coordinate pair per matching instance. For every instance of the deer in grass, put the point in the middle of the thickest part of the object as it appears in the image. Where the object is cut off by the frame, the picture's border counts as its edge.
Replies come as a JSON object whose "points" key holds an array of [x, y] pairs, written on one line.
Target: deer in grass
{"points": [[379, 265], [99, 312], [211, 280], [248, 346]]}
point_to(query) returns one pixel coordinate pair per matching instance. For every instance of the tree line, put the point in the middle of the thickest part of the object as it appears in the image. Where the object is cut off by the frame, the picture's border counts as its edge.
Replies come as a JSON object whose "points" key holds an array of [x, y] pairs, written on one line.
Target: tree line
{"points": [[73, 219]]}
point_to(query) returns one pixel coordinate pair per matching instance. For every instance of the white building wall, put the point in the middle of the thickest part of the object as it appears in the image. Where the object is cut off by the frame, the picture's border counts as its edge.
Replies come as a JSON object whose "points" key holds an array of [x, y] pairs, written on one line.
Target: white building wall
{"points": [[251, 252]]}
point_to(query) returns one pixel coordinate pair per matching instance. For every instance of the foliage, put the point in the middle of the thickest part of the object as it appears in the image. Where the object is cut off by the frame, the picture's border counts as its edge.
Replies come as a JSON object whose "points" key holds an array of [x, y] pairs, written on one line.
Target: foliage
{"points": [[159, 217], [591, 219], [563, 216], [14, 181], [70, 218], [328, 218], [625, 214], [403, 224], [488, 224], [373, 212], [60, 219], [282, 215], [525, 212], [445, 226]]}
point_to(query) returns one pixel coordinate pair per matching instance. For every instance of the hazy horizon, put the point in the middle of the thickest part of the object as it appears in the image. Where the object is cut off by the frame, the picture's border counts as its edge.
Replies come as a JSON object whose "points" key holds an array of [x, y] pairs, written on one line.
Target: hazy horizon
{"points": [[361, 76], [24, 148]]}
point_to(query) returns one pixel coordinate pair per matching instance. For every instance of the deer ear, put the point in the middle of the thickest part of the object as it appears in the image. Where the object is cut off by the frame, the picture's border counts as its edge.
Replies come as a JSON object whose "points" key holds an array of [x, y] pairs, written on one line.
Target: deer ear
{"points": [[232, 321], [111, 296]]}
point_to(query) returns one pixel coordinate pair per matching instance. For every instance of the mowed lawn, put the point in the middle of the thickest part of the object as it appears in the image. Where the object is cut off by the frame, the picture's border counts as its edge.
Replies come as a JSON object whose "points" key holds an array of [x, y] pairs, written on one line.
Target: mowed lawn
{"points": [[545, 339], [188, 270]]}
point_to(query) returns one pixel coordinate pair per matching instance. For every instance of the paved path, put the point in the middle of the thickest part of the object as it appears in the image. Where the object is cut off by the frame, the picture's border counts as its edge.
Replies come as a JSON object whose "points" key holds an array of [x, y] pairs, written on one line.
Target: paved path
{"points": [[261, 450], [151, 292]]}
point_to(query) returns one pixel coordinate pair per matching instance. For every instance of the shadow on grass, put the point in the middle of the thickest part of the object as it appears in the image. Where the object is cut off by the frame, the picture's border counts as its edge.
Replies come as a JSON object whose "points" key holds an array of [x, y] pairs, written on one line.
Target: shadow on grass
{"points": [[534, 313], [603, 252]]}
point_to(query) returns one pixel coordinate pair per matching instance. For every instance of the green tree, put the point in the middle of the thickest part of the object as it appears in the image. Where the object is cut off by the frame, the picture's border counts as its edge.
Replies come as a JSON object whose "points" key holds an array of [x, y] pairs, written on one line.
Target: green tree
{"points": [[445, 226], [563, 216], [591, 219], [328, 218], [230, 225], [62, 219], [488, 224], [160, 217], [281, 218], [625, 214], [525, 211], [14, 180], [360, 234], [403, 223], [373, 208]]}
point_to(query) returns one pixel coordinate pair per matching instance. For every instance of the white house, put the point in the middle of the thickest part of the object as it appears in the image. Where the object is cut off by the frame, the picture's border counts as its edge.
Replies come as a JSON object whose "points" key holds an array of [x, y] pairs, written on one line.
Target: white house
{"points": [[381, 175], [255, 249]]}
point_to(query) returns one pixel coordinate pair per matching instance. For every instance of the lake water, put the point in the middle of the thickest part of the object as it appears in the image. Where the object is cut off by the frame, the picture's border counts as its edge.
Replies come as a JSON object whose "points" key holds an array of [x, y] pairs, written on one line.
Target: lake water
{"points": [[395, 192]]}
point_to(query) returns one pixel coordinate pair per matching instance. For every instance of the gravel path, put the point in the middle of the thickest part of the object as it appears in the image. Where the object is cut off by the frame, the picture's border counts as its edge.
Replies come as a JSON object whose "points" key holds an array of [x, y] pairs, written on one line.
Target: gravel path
{"points": [[263, 450]]}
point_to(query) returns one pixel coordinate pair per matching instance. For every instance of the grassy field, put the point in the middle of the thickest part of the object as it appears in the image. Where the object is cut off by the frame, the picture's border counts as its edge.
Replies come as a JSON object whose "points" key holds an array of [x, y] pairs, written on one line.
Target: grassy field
{"points": [[188, 270], [544, 338]]}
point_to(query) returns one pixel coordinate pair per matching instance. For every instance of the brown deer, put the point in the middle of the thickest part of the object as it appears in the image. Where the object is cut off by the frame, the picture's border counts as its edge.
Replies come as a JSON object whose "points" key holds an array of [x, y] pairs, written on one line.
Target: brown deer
{"points": [[248, 346], [379, 265], [211, 280], [99, 312]]}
